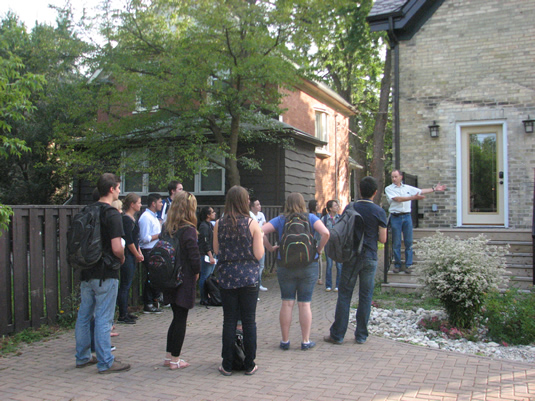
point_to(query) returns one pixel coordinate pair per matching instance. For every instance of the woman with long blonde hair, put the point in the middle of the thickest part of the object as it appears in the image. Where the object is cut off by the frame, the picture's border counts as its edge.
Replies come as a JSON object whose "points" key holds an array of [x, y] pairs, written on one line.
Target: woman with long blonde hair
{"points": [[238, 242], [180, 224], [296, 281]]}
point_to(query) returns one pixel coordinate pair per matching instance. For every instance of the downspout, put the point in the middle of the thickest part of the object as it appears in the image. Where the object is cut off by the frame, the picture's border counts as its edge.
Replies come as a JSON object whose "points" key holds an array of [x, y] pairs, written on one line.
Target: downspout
{"points": [[336, 158], [394, 45]]}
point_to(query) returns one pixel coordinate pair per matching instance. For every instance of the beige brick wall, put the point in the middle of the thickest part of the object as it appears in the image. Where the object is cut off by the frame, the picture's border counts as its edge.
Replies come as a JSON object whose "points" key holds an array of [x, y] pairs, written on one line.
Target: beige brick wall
{"points": [[473, 61]]}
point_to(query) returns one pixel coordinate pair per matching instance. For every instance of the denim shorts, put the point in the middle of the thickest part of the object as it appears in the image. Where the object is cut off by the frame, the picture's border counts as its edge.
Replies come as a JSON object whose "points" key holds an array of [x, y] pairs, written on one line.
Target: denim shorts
{"points": [[298, 280]]}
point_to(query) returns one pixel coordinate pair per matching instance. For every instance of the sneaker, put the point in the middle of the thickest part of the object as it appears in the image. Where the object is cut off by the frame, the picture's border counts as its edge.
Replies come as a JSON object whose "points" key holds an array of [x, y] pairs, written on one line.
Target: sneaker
{"points": [[336, 289], [284, 346], [116, 367], [329, 339], [113, 348], [262, 288], [308, 345], [92, 361], [408, 270], [396, 270], [328, 289], [150, 308], [360, 341], [126, 320]]}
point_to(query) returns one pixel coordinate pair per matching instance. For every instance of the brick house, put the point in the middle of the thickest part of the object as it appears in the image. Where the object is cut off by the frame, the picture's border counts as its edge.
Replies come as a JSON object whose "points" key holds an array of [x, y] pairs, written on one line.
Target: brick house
{"points": [[318, 164], [466, 68]]}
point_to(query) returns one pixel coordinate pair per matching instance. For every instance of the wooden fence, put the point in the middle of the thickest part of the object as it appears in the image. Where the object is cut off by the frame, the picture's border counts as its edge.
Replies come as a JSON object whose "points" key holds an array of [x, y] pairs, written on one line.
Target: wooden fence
{"points": [[35, 279]]}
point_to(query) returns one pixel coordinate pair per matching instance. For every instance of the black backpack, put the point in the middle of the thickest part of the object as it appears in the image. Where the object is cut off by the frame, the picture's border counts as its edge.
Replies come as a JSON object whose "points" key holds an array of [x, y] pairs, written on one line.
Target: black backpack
{"points": [[298, 246], [164, 265], [84, 243], [211, 288], [347, 236], [238, 362]]}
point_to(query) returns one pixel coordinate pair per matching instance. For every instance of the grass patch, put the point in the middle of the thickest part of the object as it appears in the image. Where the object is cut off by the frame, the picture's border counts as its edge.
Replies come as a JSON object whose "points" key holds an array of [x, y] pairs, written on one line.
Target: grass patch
{"points": [[10, 344], [388, 299]]}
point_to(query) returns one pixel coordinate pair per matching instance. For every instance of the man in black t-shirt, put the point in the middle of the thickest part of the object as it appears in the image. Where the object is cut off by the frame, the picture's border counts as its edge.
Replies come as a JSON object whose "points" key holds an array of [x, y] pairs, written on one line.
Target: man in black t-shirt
{"points": [[99, 285], [362, 266]]}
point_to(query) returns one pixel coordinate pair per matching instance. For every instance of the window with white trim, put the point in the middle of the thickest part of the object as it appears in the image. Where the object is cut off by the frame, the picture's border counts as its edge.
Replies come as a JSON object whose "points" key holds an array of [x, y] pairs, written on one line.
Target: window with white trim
{"points": [[322, 130], [137, 180]]}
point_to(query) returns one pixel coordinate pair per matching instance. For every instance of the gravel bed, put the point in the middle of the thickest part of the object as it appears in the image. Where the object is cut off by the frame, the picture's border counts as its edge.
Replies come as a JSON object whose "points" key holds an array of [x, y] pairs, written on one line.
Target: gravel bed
{"points": [[402, 325]]}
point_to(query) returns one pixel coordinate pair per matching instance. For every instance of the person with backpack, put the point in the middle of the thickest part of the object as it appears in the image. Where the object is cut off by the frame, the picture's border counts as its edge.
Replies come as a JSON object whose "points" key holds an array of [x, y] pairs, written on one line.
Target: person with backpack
{"points": [[133, 255], [297, 269], [180, 225], [99, 282], [361, 266], [239, 244], [329, 219], [313, 208]]}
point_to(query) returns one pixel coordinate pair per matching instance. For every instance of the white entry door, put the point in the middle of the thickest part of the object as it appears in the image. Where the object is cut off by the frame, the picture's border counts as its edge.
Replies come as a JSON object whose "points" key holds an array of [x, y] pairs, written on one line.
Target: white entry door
{"points": [[482, 175]]}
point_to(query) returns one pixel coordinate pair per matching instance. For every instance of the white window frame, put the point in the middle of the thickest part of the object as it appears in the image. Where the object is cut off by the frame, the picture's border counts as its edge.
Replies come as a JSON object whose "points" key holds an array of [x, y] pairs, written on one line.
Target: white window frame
{"points": [[322, 132], [197, 180]]}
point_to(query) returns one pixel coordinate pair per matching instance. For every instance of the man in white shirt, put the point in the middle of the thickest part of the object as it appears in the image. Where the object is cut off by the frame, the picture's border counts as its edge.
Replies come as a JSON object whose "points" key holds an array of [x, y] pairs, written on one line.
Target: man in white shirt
{"points": [[400, 196], [256, 214], [149, 230]]}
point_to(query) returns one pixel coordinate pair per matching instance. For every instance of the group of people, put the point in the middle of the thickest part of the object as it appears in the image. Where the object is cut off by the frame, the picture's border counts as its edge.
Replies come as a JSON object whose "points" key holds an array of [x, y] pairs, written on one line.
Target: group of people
{"points": [[235, 245]]}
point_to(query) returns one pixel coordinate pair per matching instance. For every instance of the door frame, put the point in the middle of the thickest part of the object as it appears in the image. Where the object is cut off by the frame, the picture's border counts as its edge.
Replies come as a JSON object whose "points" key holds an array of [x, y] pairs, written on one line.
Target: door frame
{"points": [[459, 167]]}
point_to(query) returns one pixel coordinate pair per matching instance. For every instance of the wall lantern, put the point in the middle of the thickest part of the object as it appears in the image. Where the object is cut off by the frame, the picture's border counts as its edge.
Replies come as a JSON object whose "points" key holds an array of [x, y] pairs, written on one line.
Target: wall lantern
{"points": [[433, 129], [528, 125]]}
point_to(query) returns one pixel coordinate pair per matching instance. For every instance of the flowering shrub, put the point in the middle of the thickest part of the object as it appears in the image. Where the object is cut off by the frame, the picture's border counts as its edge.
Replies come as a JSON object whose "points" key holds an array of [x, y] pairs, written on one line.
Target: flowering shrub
{"points": [[459, 272], [510, 317], [68, 313]]}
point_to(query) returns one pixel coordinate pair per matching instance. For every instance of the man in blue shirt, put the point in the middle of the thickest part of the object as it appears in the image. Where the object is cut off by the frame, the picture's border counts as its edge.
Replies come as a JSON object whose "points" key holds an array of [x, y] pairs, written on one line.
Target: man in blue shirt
{"points": [[362, 266]]}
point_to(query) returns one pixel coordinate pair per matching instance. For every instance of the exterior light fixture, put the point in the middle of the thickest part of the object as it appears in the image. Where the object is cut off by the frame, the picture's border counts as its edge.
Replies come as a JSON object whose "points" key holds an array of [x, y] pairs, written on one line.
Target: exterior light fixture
{"points": [[433, 129], [528, 125]]}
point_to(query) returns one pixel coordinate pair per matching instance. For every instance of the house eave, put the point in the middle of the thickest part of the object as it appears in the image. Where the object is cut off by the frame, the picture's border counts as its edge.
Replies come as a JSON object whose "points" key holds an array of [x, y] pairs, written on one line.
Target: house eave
{"points": [[327, 96]]}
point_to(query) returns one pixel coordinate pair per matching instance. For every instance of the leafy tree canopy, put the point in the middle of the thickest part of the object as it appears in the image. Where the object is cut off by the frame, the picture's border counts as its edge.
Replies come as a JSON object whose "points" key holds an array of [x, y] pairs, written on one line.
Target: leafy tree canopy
{"points": [[200, 76]]}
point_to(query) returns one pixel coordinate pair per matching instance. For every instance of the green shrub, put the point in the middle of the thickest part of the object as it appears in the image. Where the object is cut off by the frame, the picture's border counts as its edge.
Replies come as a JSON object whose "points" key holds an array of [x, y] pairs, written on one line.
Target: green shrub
{"points": [[459, 272], [68, 313], [510, 317]]}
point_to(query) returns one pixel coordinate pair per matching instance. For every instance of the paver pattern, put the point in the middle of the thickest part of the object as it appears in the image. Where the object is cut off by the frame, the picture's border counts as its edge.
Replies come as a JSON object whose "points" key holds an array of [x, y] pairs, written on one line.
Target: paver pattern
{"points": [[381, 369]]}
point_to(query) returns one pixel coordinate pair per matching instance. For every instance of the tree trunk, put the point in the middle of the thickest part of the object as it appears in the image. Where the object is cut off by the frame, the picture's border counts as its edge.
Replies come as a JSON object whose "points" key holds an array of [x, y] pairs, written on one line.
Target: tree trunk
{"points": [[377, 165], [233, 174]]}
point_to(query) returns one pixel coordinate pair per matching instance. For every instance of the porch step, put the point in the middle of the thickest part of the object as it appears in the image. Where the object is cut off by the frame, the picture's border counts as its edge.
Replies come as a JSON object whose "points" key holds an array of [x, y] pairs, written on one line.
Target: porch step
{"points": [[519, 261], [401, 287]]}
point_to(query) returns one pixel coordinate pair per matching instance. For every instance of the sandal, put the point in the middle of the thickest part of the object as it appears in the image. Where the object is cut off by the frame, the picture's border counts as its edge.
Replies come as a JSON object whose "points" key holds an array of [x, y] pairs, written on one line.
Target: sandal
{"points": [[252, 371], [180, 364], [166, 361], [224, 372]]}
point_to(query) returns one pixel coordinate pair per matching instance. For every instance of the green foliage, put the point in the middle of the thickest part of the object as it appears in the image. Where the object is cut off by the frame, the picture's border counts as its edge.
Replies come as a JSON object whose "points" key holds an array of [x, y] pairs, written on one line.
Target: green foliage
{"points": [[188, 80], [459, 272], [387, 299], [12, 343], [510, 317], [52, 57], [68, 313]]}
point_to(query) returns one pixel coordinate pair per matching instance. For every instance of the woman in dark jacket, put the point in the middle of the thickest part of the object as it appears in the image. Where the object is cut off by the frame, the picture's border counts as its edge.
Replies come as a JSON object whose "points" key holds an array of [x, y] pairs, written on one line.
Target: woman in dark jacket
{"points": [[181, 222], [132, 253], [206, 235]]}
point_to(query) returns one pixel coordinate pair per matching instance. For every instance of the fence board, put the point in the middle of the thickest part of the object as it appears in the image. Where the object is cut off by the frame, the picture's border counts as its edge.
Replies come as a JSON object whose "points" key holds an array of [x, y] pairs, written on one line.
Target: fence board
{"points": [[65, 272], [51, 265], [36, 270], [6, 314], [20, 270]]}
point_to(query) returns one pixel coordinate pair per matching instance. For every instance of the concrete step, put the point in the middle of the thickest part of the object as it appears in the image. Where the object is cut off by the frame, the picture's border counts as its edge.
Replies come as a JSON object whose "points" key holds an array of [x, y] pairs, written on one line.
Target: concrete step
{"points": [[401, 287]]}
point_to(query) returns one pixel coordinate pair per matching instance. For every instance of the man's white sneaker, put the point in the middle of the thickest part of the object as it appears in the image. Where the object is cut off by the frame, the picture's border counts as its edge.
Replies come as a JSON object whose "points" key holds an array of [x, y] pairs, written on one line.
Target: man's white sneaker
{"points": [[262, 288]]}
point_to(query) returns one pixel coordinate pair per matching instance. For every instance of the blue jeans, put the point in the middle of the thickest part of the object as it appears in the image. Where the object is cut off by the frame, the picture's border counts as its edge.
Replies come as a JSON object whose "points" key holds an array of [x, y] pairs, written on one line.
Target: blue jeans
{"points": [[364, 270], [239, 302], [261, 262], [329, 273], [402, 224], [98, 300], [206, 270], [128, 270]]}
